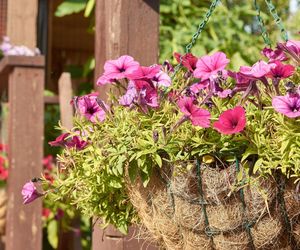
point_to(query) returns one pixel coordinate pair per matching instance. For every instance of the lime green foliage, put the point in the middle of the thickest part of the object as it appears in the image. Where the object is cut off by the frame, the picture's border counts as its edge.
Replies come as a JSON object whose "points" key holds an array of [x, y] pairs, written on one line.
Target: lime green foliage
{"points": [[233, 28], [131, 145]]}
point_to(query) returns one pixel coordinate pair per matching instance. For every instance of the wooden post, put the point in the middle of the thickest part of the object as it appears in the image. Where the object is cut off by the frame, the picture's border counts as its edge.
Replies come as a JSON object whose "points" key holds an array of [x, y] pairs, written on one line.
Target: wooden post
{"points": [[21, 22], [124, 27], [67, 240], [65, 97], [25, 78]]}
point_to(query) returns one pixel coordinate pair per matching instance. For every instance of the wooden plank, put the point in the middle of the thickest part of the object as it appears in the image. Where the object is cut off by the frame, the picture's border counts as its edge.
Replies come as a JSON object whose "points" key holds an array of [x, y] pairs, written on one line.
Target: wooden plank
{"points": [[26, 122], [123, 27], [21, 22], [65, 97], [51, 100]]}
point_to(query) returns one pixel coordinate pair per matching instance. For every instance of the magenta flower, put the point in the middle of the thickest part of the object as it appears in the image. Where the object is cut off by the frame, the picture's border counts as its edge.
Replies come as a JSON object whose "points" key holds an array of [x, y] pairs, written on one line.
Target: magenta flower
{"points": [[72, 142], [188, 60], [147, 94], [161, 79], [280, 70], [241, 81], [30, 193], [143, 73], [258, 70], [197, 87], [199, 117], [274, 55], [59, 141], [288, 105], [231, 121], [292, 47], [118, 69], [88, 107], [208, 66]]}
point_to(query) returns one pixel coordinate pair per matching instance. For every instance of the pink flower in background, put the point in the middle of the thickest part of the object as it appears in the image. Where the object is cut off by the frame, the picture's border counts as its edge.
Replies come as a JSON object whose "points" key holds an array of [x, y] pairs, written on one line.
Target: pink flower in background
{"points": [[72, 142], [280, 70], [46, 212], [188, 60], [88, 107], [231, 121], [30, 193], [142, 73], [199, 117], [258, 70], [48, 162], [3, 173], [118, 69], [130, 95], [59, 214], [274, 55], [209, 66], [161, 79], [289, 105]]}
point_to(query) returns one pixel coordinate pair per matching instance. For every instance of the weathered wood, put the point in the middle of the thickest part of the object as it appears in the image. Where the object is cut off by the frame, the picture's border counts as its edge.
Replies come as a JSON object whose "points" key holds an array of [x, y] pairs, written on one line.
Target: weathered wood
{"points": [[26, 119], [51, 99], [65, 97], [21, 22], [126, 27], [123, 27]]}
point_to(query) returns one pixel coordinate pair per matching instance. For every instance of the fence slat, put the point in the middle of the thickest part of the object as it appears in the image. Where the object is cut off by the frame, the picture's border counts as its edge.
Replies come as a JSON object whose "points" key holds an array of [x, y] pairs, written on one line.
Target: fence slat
{"points": [[26, 119], [124, 27]]}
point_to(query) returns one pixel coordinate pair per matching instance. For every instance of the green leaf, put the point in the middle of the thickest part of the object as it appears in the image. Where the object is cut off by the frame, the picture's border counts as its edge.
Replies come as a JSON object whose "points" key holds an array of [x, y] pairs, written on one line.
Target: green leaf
{"points": [[133, 171], [158, 160], [69, 7], [52, 234], [89, 8]]}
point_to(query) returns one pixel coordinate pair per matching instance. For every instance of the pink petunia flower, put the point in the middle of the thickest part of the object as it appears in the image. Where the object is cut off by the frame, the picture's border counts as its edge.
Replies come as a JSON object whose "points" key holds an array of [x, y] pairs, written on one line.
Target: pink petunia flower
{"points": [[258, 70], [46, 212], [188, 60], [280, 70], [143, 73], [197, 87], [147, 94], [209, 66], [274, 55], [161, 79], [30, 193], [48, 162], [241, 81], [231, 121], [130, 96], [292, 47], [88, 107], [199, 117], [118, 69], [64, 141], [288, 105]]}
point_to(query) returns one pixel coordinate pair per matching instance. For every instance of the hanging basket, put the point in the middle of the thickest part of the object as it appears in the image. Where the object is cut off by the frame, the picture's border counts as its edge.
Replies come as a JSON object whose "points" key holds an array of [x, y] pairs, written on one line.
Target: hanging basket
{"points": [[3, 208], [206, 211]]}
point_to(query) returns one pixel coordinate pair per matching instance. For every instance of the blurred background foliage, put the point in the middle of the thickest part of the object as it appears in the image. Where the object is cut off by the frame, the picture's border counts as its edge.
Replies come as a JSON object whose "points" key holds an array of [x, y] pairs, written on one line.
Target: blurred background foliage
{"points": [[233, 27]]}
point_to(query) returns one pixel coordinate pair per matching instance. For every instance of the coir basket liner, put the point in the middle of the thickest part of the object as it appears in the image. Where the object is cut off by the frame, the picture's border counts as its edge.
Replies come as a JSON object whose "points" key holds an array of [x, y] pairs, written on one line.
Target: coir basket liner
{"points": [[202, 208]]}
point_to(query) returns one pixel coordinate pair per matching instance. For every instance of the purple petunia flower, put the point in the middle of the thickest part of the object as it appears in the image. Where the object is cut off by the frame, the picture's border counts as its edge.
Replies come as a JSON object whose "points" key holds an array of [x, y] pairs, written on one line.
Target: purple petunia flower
{"points": [[289, 105], [30, 193]]}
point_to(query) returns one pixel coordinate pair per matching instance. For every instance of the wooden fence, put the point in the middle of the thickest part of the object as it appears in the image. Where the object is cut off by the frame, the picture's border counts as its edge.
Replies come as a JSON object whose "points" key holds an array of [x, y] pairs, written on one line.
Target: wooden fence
{"points": [[122, 27]]}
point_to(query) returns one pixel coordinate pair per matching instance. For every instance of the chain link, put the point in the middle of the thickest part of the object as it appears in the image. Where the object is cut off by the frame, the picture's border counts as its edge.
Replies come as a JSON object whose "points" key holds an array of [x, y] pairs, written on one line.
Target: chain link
{"points": [[264, 32], [195, 36], [277, 19]]}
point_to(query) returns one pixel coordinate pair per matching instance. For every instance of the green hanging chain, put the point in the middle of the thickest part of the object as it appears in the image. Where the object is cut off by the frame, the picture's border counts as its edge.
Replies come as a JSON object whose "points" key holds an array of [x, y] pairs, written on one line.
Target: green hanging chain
{"points": [[277, 19], [195, 36], [264, 32]]}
